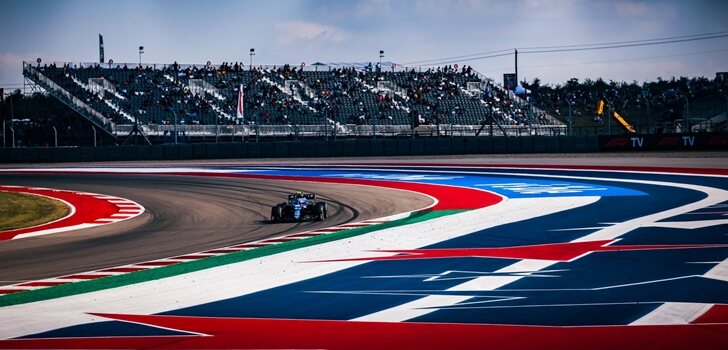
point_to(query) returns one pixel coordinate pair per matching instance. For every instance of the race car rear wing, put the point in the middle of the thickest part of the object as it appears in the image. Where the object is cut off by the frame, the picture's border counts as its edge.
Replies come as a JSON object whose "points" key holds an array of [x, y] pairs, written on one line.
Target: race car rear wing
{"points": [[311, 196]]}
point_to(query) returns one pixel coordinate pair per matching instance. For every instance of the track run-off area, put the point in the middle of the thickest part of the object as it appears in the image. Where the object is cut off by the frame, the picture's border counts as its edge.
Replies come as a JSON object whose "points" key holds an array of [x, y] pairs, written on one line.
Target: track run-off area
{"points": [[435, 255]]}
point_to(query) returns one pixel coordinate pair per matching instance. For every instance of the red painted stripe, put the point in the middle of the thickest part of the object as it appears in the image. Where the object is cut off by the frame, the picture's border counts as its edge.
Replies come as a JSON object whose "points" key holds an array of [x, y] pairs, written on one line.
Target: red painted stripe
{"points": [[222, 251], [85, 277], [328, 230], [307, 234], [698, 171], [552, 252], [124, 269], [716, 314], [88, 210], [157, 263], [190, 257], [280, 240], [250, 333], [41, 284], [10, 291], [251, 245]]}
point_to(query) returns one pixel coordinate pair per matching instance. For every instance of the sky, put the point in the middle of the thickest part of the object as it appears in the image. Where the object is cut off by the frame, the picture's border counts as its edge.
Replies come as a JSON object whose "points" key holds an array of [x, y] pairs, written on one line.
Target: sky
{"points": [[289, 31]]}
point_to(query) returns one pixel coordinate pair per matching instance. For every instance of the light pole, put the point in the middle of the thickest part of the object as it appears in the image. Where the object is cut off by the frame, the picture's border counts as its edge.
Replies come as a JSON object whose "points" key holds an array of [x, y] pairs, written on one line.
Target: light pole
{"points": [[93, 128], [610, 109], [252, 53], [257, 127], [646, 96], [568, 102], [55, 137], [326, 127], [726, 102], [687, 106], [141, 51], [686, 122], [2, 111], [175, 126]]}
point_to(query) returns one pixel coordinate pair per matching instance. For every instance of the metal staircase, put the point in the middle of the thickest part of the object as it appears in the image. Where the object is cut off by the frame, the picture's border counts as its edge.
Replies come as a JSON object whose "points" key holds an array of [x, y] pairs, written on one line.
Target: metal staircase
{"points": [[89, 113]]}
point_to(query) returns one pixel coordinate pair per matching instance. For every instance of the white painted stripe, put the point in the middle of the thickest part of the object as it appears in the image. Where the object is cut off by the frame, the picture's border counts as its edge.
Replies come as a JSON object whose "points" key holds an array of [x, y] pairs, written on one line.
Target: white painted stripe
{"points": [[122, 215], [426, 305], [719, 272], [96, 273], [61, 279], [108, 220], [55, 230], [23, 287], [578, 229], [189, 257], [689, 225], [18, 287], [495, 282], [673, 313]]}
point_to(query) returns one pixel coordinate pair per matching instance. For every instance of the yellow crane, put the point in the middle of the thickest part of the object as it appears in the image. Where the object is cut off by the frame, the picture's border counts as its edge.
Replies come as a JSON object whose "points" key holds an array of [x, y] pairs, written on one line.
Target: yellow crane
{"points": [[620, 120]]}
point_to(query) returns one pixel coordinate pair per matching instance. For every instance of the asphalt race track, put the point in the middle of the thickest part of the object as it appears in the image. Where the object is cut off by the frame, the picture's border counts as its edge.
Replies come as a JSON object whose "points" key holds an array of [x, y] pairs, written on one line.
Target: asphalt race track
{"points": [[183, 215], [538, 253]]}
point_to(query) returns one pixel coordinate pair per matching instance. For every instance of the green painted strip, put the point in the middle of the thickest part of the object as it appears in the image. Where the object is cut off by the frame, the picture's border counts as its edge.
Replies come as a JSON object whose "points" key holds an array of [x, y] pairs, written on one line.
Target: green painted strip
{"points": [[206, 263]]}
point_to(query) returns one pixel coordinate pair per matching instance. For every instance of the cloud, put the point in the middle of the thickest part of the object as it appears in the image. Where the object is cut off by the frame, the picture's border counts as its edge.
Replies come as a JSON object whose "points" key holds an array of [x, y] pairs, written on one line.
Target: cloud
{"points": [[374, 8], [631, 9], [638, 9], [296, 31]]}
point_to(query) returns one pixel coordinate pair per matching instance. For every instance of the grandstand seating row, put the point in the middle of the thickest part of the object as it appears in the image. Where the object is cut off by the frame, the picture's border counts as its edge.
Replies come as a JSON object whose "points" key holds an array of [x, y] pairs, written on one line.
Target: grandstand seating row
{"points": [[285, 95]]}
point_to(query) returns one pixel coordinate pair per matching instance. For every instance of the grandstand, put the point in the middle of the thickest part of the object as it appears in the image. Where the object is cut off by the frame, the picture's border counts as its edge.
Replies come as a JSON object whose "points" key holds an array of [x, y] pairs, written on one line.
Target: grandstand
{"points": [[324, 99]]}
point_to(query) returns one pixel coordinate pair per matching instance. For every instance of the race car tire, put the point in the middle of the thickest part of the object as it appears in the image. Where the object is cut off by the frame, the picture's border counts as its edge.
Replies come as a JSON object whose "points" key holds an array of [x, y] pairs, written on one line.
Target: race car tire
{"points": [[276, 213], [320, 211]]}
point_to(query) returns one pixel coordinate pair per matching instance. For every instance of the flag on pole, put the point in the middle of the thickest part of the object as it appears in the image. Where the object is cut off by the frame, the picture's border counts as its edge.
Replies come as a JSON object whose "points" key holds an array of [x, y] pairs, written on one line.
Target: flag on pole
{"points": [[101, 49], [241, 95]]}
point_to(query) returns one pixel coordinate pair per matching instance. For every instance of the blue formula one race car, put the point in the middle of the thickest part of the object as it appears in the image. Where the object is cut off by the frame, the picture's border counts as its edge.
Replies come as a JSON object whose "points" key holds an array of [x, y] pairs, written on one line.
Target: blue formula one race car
{"points": [[300, 207]]}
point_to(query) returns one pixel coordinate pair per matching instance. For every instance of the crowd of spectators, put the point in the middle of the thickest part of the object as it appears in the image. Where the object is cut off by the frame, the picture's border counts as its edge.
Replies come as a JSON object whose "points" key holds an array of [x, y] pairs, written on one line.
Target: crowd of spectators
{"points": [[341, 95], [658, 105]]}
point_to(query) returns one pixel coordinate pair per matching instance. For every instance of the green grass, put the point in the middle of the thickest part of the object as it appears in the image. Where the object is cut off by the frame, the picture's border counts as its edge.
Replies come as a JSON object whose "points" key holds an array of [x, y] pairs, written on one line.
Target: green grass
{"points": [[202, 264], [20, 210]]}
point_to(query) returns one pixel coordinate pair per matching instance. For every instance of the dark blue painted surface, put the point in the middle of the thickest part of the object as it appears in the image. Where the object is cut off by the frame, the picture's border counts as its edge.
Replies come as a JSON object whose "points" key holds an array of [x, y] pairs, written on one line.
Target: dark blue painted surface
{"points": [[598, 289]]}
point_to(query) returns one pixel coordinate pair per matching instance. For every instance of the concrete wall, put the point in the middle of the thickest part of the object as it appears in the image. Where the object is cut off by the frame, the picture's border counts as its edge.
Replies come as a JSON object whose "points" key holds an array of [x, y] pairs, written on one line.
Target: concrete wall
{"points": [[363, 148]]}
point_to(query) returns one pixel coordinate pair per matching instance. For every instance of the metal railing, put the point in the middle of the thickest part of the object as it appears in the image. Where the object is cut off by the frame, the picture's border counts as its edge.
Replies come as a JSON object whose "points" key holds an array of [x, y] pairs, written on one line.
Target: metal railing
{"points": [[65, 96], [339, 130], [484, 83]]}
